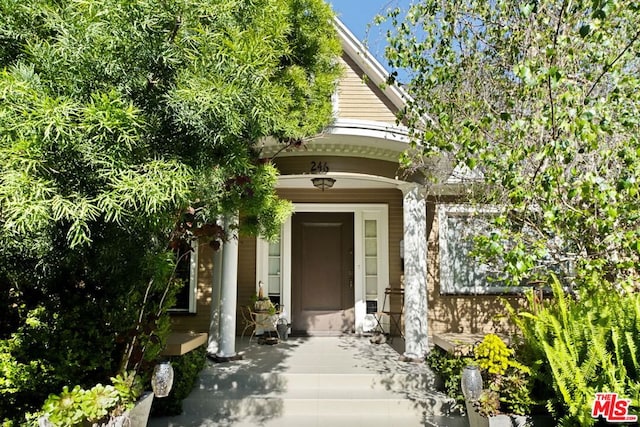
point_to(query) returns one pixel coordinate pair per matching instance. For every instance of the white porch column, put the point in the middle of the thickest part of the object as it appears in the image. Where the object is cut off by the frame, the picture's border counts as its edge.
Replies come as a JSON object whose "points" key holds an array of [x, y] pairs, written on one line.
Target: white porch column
{"points": [[214, 319], [229, 289], [415, 272]]}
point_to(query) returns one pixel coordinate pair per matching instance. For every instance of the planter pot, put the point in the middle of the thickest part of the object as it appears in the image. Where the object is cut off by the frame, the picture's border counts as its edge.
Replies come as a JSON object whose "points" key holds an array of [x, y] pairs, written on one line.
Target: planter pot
{"points": [[263, 305], [283, 329], [501, 420], [138, 416]]}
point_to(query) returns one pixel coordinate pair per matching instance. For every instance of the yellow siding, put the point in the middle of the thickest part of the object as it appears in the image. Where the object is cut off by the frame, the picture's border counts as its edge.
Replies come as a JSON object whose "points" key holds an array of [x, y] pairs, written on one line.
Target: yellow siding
{"points": [[246, 276], [363, 100], [447, 313]]}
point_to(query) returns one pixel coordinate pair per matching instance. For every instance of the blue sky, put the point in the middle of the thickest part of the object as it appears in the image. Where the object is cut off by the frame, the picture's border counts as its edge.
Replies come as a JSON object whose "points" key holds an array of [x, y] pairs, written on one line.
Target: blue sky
{"points": [[357, 14]]}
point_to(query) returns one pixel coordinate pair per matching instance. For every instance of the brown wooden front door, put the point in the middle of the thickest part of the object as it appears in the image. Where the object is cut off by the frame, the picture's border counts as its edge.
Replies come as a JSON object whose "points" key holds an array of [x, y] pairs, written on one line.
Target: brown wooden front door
{"points": [[322, 294]]}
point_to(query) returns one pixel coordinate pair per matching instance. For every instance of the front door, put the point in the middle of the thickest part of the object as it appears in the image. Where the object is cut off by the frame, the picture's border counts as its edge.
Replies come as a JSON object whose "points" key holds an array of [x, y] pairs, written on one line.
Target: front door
{"points": [[322, 294]]}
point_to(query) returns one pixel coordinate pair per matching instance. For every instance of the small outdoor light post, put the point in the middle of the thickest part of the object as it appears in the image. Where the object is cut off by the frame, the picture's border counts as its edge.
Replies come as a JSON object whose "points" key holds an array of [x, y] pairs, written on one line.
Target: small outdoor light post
{"points": [[162, 379], [471, 383]]}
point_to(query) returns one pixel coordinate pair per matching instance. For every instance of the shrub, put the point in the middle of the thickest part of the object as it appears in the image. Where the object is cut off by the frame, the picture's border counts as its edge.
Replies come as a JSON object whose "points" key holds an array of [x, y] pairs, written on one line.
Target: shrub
{"points": [[75, 325], [449, 368]]}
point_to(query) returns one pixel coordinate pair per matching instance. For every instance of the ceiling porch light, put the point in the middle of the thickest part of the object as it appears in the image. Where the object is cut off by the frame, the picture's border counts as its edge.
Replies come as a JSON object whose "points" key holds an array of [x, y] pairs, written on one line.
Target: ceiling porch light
{"points": [[323, 183]]}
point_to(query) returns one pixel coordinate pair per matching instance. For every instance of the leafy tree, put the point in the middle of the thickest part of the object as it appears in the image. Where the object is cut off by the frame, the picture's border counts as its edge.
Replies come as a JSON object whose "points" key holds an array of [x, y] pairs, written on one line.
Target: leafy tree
{"points": [[540, 100], [125, 125]]}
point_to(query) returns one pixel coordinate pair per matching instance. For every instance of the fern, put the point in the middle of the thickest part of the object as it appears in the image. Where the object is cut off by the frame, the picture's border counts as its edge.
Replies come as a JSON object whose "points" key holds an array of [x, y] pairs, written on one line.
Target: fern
{"points": [[588, 346]]}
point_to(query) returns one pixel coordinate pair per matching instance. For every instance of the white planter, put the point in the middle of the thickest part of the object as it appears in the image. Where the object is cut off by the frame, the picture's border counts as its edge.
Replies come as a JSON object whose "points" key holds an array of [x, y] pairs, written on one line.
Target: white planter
{"points": [[502, 420], [138, 416]]}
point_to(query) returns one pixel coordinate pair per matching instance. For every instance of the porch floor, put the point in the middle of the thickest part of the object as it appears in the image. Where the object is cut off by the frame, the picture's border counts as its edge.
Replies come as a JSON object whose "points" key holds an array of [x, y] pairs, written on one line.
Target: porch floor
{"points": [[313, 381]]}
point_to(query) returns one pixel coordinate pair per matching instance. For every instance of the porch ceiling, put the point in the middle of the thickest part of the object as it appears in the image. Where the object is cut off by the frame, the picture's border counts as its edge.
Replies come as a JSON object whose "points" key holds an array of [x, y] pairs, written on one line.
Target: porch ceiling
{"points": [[343, 181]]}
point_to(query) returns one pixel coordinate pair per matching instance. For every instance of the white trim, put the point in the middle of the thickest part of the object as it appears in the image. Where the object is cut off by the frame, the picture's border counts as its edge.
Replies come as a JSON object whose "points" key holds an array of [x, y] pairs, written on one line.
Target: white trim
{"points": [[382, 242], [262, 263], [335, 104], [370, 129], [285, 273], [378, 211], [344, 180], [348, 137]]}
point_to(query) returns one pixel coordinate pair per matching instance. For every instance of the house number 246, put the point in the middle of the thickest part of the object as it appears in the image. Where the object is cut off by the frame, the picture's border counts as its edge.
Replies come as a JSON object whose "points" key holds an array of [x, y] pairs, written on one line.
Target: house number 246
{"points": [[319, 167]]}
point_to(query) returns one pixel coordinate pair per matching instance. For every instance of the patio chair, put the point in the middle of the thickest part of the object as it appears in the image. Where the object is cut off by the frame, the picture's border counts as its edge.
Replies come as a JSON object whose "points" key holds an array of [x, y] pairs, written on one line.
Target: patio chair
{"points": [[258, 320], [395, 316], [248, 318]]}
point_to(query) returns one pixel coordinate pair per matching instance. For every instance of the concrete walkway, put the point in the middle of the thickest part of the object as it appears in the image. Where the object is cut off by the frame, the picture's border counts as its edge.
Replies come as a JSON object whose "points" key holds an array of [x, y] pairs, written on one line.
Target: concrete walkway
{"points": [[337, 381]]}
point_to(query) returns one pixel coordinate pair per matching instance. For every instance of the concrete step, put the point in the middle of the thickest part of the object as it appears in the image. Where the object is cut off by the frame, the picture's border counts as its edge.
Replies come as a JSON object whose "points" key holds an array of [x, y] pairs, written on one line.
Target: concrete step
{"points": [[366, 400], [255, 406], [291, 394], [266, 382], [323, 420]]}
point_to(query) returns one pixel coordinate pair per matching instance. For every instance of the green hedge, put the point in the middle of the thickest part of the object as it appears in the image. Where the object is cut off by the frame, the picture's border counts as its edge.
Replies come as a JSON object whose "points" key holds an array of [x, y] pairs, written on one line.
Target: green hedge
{"points": [[186, 369]]}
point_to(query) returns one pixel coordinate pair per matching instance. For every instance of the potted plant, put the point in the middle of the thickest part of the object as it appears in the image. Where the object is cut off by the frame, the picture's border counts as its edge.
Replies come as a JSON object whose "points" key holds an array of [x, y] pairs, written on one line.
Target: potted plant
{"points": [[121, 403], [505, 400], [262, 303]]}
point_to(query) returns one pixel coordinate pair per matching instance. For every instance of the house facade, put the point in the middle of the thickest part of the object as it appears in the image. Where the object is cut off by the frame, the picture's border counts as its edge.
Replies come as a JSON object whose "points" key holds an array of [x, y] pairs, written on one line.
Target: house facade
{"points": [[360, 226]]}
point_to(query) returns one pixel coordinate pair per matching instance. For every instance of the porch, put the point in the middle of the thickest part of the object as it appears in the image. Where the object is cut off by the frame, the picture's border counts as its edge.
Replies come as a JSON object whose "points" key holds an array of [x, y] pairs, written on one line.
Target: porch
{"points": [[313, 381]]}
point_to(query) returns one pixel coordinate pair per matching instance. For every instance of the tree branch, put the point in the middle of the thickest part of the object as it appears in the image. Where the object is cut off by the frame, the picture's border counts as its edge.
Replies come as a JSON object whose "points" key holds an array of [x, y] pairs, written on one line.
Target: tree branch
{"points": [[608, 66], [552, 61]]}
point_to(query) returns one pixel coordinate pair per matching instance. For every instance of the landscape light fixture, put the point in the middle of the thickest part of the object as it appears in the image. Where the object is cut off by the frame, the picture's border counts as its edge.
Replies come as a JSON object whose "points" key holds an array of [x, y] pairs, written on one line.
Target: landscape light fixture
{"points": [[162, 379], [471, 383]]}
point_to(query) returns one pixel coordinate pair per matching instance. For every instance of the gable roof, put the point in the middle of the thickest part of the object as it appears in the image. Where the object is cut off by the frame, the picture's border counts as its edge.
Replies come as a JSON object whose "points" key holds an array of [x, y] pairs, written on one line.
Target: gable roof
{"points": [[370, 138], [366, 136]]}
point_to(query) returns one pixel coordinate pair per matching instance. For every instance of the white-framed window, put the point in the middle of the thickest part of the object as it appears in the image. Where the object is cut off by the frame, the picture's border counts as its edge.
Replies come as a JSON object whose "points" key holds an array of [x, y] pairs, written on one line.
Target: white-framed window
{"points": [[270, 265], [187, 273], [460, 272], [274, 273]]}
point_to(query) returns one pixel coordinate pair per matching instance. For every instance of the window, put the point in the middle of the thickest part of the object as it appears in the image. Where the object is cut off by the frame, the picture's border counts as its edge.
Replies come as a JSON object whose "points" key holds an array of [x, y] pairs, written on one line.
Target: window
{"points": [[274, 283], [371, 264], [186, 272], [461, 273]]}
